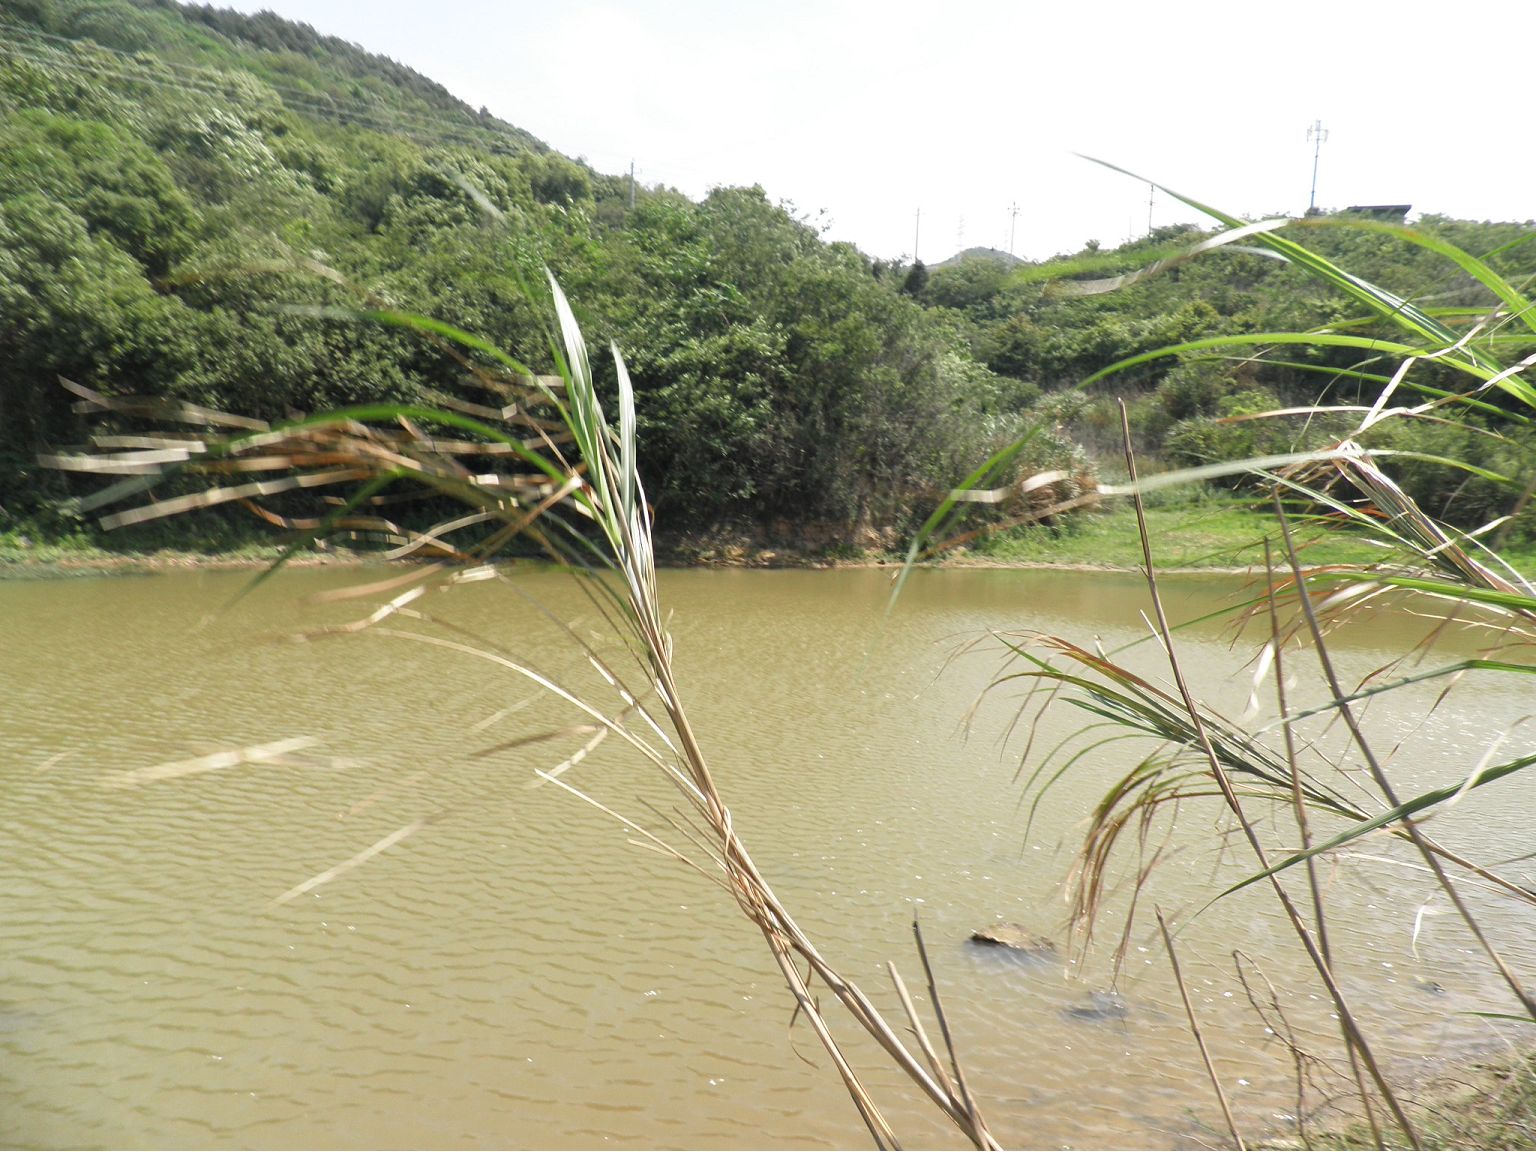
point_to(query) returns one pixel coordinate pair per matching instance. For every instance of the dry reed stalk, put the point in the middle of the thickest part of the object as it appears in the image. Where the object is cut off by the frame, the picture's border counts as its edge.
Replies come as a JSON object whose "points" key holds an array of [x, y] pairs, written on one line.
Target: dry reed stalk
{"points": [[534, 489], [1304, 833], [1194, 1030], [1229, 794], [1409, 826]]}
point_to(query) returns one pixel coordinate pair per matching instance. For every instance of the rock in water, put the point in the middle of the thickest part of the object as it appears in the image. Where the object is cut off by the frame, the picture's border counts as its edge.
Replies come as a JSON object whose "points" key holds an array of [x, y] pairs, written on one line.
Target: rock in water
{"points": [[1100, 1006], [1015, 938]]}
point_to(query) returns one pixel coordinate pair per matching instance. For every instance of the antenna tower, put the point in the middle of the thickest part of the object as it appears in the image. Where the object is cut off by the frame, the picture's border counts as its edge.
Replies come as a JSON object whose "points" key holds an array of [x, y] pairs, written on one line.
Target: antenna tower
{"points": [[1317, 134]]}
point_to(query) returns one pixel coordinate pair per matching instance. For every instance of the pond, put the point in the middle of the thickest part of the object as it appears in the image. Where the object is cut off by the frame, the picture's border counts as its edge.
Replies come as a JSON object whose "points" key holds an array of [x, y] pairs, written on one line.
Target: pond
{"points": [[517, 972]]}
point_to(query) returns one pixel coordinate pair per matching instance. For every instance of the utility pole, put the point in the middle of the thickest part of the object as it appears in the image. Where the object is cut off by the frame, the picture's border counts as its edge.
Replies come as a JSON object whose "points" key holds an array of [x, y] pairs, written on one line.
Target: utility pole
{"points": [[960, 235], [1013, 224], [917, 232], [1317, 133], [1151, 196], [631, 183]]}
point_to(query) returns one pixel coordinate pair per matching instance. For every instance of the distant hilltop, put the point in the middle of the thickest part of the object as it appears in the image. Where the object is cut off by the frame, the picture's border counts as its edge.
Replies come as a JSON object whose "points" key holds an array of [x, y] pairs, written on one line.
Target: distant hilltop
{"points": [[996, 255]]}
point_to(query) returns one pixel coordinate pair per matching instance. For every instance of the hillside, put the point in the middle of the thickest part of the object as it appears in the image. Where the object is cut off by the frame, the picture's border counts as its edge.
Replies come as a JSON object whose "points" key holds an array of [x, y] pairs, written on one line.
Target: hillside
{"points": [[189, 195], [193, 201], [1054, 325], [995, 255]]}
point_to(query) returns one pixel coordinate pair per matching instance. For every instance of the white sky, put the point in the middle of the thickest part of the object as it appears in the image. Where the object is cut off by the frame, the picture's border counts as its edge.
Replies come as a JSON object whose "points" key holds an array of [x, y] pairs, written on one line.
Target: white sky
{"points": [[860, 113]]}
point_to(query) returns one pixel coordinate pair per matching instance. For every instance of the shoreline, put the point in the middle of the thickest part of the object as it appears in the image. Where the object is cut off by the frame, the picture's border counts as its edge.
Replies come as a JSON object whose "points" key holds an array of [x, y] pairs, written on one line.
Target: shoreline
{"points": [[66, 565], [1220, 541], [61, 564]]}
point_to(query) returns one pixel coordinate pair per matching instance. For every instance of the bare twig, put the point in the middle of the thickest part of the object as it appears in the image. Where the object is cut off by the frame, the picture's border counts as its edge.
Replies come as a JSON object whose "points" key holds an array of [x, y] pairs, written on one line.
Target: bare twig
{"points": [[1303, 828], [1194, 1030]]}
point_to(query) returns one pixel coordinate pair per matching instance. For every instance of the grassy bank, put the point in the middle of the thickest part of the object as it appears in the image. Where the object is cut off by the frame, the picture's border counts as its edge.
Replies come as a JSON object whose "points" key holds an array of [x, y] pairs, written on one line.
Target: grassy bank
{"points": [[1488, 1105], [1210, 536], [30, 555], [1202, 536]]}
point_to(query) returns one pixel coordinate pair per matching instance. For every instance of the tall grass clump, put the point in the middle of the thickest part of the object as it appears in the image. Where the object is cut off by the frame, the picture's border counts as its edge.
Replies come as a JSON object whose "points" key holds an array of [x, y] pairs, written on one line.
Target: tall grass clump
{"points": [[1297, 803]]}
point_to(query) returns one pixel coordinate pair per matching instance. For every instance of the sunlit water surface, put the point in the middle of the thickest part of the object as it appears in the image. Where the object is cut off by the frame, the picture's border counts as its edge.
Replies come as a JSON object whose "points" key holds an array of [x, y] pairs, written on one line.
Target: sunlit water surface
{"points": [[519, 973]]}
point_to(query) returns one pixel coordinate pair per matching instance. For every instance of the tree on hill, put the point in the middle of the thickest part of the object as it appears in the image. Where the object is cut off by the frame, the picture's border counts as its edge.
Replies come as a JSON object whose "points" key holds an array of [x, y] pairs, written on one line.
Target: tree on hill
{"points": [[199, 231]]}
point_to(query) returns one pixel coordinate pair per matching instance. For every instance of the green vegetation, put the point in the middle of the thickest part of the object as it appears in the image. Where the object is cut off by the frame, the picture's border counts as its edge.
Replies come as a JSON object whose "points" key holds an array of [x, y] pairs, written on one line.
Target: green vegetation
{"points": [[79, 553], [191, 225], [1213, 534], [1211, 332], [1288, 796], [576, 492], [1492, 1105], [195, 203]]}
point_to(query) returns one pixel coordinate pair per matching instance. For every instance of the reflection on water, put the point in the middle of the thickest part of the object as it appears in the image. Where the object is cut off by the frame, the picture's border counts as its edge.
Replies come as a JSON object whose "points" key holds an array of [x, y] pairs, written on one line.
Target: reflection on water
{"points": [[517, 973]]}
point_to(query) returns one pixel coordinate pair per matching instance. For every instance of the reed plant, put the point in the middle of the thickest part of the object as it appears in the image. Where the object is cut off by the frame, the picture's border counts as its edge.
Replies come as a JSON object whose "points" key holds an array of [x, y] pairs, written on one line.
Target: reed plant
{"points": [[531, 457], [1293, 801]]}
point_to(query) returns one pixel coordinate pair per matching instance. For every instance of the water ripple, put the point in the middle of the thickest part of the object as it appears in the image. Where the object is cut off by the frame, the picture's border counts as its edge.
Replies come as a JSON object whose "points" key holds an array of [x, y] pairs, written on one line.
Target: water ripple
{"points": [[514, 974]]}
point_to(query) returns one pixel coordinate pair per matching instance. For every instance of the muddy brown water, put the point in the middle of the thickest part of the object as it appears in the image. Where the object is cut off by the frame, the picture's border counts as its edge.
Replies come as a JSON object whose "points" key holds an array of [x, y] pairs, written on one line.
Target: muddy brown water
{"points": [[517, 973]]}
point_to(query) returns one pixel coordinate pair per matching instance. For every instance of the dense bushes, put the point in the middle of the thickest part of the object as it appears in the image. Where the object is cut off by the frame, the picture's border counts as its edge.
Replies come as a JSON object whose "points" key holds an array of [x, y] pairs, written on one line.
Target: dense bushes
{"points": [[195, 233], [1037, 326], [195, 238]]}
